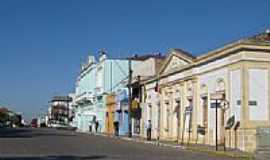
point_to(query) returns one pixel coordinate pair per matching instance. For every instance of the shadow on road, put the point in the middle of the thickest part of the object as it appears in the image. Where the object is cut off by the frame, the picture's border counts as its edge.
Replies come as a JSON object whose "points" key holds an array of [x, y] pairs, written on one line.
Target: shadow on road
{"points": [[14, 133], [28, 133], [56, 158]]}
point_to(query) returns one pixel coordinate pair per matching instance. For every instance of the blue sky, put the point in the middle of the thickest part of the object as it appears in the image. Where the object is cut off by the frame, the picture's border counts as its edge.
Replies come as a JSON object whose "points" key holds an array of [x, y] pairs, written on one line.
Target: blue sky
{"points": [[42, 43]]}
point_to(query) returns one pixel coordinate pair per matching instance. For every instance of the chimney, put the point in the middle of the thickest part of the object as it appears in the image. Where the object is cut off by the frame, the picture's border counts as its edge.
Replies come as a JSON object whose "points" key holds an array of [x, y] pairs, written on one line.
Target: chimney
{"points": [[267, 34], [267, 31], [102, 55]]}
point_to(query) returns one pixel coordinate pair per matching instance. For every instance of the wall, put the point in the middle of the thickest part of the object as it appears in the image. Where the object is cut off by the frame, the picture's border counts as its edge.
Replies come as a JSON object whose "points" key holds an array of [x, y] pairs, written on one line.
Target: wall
{"points": [[86, 81], [145, 68], [110, 114], [150, 108], [236, 94], [258, 95], [115, 72]]}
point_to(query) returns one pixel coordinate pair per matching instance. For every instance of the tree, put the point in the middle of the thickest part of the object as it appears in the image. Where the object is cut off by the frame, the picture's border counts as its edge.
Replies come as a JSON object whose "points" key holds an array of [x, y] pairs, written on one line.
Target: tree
{"points": [[3, 117]]}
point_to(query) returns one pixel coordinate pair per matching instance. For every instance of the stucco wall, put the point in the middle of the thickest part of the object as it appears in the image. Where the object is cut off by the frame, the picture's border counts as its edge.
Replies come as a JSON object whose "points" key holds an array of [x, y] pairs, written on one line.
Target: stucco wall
{"points": [[145, 68], [235, 94], [87, 81], [258, 93]]}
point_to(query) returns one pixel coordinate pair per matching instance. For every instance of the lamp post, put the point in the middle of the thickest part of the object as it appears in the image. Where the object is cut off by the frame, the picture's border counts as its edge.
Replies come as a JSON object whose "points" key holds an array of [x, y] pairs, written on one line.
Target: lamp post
{"points": [[157, 89]]}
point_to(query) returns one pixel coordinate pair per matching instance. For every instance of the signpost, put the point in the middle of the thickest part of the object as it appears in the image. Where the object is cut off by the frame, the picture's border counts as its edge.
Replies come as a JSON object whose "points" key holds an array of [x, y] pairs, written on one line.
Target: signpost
{"points": [[216, 97]]}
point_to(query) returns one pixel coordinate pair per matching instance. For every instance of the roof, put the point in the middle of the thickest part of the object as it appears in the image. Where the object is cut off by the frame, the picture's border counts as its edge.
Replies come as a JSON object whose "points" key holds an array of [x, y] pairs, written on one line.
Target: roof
{"points": [[261, 39], [180, 53], [147, 56], [258, 39], [183, 53], [61, 98]]}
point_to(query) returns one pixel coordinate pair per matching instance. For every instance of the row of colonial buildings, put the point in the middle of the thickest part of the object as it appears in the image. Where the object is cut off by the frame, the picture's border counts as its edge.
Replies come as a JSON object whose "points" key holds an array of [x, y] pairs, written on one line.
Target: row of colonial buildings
{"points": [[218, 97]]}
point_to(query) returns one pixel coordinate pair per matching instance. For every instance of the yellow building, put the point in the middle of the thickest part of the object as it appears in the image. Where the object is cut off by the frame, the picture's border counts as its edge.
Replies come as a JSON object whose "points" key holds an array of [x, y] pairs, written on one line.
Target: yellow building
{"points": [[235, 78], [110, 108]]}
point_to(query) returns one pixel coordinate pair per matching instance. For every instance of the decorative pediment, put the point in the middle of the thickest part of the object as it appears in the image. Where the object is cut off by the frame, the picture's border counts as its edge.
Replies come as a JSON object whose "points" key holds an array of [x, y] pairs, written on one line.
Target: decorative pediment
{"points": [[176, 59]]}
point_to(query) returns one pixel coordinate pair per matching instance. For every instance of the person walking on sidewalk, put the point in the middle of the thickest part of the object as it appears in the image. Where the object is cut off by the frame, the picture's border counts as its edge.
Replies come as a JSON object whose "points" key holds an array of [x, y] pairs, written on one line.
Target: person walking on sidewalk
{"points": [[116, 128], [148, 130], [90, 127], [96, 126]]}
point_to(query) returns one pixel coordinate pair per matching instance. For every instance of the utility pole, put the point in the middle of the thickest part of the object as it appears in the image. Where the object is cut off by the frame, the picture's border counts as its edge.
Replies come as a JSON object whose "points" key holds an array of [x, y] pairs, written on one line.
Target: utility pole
{"points": [[216, 125], [129, 98], [178, 120]]}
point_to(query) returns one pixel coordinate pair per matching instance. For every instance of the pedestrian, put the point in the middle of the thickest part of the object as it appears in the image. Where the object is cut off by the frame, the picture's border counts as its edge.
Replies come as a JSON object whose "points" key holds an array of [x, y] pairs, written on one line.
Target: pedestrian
{"points": [[96, 125], [90, 128], [149, 129], [116, 128], [90, 124]]}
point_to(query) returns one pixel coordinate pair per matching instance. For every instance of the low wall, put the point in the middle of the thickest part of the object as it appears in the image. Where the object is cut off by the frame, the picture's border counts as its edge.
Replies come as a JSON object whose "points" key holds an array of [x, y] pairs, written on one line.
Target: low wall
{"points": [[263, 144]]}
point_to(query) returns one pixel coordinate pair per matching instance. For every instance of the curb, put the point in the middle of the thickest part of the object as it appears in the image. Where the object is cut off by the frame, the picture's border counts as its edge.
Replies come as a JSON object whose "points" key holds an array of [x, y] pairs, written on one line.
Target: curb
{"points": [[192, 149], [243, 156], [160, 144]]}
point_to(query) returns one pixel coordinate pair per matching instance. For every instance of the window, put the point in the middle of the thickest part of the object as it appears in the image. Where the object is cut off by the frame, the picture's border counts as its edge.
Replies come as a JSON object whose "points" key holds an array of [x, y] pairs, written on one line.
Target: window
{"points": [[167, 118], [205, 111], [189, 116]]}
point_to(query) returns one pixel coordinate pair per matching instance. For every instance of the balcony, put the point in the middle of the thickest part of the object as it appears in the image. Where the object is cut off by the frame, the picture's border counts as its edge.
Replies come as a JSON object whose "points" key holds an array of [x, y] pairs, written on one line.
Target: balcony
{"points": [[98, 90], [84, 98]]}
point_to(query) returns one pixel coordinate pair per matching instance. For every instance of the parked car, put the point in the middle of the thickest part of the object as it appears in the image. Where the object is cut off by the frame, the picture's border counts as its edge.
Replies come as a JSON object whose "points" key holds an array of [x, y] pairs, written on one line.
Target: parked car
{"points": [[62, 126], [34, 123]]}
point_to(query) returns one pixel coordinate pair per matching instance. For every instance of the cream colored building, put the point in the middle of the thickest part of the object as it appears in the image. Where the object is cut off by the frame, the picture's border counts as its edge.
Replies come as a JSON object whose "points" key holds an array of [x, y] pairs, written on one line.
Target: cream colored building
{"points": [[150, 109], [235, 76], [148, 68]]}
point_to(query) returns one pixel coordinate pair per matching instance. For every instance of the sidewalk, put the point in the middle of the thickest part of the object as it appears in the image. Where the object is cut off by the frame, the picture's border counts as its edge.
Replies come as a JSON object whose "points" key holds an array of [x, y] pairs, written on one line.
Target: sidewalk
{"points": [[211, 150], [191, 147], [153, 142]]}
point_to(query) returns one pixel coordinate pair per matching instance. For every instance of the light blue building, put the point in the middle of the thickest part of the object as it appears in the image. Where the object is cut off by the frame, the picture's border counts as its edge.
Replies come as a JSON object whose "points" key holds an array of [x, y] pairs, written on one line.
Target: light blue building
{"points": [[84, 95], [97, 80], [121, 111], [111, 76]]}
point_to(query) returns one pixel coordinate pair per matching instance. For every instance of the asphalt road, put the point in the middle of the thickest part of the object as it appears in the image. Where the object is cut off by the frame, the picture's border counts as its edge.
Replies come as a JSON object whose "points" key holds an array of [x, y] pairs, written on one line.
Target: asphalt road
{"points": [[51, 144]]}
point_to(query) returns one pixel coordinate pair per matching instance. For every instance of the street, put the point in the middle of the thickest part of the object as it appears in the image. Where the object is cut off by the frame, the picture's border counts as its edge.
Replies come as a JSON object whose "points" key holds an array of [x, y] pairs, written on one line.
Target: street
{"points": [[51, 144]]}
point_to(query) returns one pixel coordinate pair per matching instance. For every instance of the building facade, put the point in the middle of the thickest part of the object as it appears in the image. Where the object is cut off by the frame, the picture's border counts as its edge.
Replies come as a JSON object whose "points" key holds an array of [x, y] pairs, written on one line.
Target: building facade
{"points": [[59, 110], [111, 76], [221, 96], [110, 114], [144, 100], [84, 96], [96, 81], [218, 98]]}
